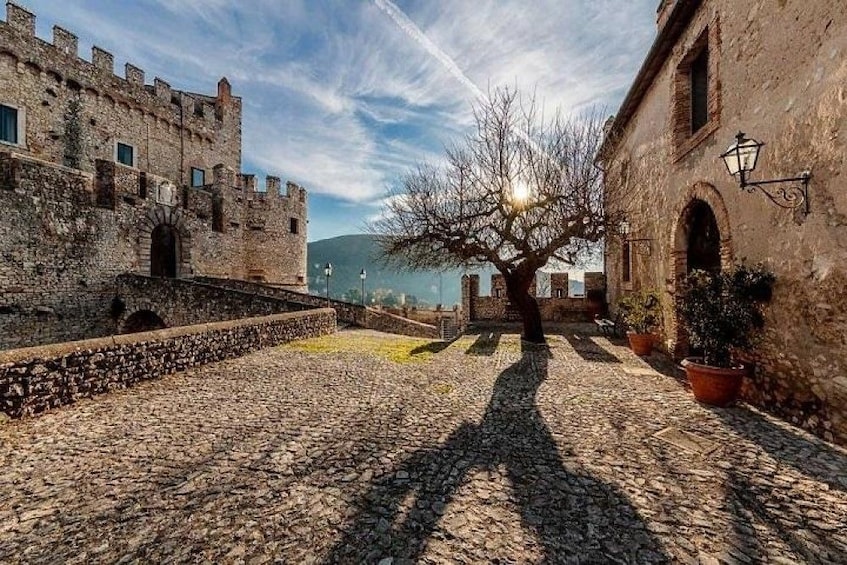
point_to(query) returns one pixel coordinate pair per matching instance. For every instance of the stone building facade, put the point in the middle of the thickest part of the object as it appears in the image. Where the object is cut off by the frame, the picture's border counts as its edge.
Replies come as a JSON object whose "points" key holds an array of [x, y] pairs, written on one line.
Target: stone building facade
{"points": [[777, 71], [101, 175]]}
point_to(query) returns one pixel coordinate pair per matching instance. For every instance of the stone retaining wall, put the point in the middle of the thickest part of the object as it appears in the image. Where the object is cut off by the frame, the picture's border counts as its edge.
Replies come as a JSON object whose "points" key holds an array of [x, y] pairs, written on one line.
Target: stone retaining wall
{"points": [[389, 323], [184, 302], [36, 379], [347, 312]]}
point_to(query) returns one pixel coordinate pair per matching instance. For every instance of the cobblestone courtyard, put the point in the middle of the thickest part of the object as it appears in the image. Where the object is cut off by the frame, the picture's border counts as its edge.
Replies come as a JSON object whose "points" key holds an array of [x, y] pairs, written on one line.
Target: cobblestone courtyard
{"points": [[362, 447]]}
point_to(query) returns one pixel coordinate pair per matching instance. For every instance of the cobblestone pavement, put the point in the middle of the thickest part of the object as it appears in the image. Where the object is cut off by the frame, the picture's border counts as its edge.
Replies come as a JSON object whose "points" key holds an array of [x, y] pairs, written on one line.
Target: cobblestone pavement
{"points": [[330, 451]]}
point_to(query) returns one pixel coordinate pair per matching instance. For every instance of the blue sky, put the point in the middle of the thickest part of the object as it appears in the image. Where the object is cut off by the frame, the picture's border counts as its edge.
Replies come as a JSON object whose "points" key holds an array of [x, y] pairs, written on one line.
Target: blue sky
{"points": [[343, 96]]}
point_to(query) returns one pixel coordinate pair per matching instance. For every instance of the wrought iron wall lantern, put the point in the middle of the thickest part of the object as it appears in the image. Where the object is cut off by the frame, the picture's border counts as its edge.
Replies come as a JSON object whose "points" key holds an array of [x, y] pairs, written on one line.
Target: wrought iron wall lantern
{"points": [[740, 160], [624, 229]]}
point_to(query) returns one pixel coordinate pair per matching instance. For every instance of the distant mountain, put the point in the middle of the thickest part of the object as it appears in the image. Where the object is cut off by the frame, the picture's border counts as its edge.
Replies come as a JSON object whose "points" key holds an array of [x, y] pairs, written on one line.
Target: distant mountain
{"points": [[349, 254]]}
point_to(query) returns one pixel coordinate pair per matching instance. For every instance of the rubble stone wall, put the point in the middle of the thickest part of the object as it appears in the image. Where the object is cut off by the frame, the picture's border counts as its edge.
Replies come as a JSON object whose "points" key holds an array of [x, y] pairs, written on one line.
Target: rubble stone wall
{"points": [[65, 235], [184, 302], [347, 312], [36, 379]]}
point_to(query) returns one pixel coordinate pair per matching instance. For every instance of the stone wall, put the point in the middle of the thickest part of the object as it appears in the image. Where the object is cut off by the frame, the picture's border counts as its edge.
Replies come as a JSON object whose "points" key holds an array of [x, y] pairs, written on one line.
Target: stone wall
{"points": [[553, 309], [36, 379], [66, 234], [170, 130], [389, 323], [785, 93], [347, 312], [184, 302]]}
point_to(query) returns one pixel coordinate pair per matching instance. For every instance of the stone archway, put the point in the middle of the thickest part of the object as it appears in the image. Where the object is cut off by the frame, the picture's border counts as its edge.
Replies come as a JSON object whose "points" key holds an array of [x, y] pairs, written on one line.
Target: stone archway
{"points": [[164, 243], [700, 239], [143, 321]]}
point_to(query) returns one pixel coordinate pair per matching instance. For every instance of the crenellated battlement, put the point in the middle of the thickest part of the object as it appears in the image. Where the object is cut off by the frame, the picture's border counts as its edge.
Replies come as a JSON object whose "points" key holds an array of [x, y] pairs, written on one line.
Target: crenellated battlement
{"points": [[60, 61]]}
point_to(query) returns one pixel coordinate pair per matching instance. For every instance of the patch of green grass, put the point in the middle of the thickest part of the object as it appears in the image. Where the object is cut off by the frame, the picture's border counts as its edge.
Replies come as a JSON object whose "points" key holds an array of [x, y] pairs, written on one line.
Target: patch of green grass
{"points": [[398, 349], [442, 388]]}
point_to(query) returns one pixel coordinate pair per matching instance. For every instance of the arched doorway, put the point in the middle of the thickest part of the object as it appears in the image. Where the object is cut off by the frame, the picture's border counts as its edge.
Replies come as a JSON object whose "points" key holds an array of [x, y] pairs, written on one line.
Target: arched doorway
{"points": [[700, 239], [703, 237], [143, 321], [164, 251]]}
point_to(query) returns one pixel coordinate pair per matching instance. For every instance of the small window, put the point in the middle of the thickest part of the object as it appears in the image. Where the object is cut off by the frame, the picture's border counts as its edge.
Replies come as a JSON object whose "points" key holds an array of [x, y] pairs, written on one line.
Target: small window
{"points": [[295, 225], [125, 154], [559, 293], [8, 124], [700, 91], [198, 177], [627, 262], [496, 293]]}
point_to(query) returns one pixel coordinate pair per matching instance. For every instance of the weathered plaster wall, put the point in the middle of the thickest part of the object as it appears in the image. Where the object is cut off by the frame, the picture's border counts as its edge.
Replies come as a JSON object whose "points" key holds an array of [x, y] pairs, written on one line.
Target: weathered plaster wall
{"points": [[782, 75], [36, 379]]}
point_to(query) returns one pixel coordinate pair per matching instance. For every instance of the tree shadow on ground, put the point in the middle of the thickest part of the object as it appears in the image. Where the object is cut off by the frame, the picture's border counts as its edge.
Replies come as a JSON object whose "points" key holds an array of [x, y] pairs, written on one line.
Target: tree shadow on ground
{"points": [[431, 347], [812, 457], [571, 515], [589, 349], [485, 345], [752, 504]]}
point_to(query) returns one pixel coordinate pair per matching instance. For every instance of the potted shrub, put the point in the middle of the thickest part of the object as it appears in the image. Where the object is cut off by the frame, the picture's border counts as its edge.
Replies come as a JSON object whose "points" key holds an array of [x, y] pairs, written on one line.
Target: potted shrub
{"points": [[722, 313], [640, 311]]}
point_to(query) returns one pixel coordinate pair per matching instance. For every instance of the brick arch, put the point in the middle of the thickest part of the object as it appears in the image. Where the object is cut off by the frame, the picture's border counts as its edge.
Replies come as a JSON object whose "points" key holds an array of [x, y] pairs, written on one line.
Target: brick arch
{"points": [[168, 216], [678, 244]]}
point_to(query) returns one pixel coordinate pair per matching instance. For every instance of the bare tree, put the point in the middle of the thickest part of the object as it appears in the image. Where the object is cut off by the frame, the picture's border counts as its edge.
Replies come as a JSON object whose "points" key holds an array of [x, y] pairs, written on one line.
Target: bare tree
{"points": [[517, 192]]}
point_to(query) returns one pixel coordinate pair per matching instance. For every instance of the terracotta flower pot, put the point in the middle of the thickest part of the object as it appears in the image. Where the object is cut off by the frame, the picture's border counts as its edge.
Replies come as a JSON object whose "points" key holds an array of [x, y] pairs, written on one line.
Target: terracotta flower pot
{"points": [[641, 344], [715, 386]]}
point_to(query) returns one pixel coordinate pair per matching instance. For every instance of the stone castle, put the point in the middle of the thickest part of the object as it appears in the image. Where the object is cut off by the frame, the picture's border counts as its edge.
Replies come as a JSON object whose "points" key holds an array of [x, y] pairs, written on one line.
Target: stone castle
{"points": [[102, 175]]}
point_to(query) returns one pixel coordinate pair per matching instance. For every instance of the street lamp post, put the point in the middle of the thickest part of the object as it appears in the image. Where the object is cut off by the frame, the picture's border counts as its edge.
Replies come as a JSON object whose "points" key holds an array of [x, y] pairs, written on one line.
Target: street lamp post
{"points": [[363, 275], [328, 273]]}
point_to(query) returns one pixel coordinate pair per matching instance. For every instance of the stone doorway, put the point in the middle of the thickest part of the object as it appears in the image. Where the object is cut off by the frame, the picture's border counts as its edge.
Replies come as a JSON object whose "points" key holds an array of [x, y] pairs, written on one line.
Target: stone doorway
{"points": [[701, 240], [703, 251], [164, 251]]}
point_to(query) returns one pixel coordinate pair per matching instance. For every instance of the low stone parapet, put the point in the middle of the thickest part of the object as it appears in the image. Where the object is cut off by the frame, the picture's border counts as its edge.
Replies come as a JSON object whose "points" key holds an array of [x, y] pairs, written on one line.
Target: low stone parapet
{"points": [[391, 323], [36, 379]]}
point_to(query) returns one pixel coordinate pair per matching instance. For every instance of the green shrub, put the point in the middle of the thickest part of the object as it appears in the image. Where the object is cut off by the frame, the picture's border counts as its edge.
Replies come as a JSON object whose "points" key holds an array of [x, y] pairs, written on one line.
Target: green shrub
{"points": [[641, 310], [722, 312]]}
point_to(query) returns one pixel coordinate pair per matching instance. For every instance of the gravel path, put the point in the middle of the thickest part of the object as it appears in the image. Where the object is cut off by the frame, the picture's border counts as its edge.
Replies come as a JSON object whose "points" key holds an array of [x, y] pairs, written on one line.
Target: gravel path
{"points": [[332, 451]]}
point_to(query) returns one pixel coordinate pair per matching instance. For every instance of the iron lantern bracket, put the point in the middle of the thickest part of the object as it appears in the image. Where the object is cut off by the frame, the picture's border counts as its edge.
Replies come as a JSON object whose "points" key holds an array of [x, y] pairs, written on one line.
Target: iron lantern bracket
{"points": [[789, 197]]}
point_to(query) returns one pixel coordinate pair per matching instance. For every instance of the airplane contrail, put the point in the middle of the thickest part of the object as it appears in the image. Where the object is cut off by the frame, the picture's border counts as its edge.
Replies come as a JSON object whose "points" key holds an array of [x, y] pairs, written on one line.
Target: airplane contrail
{"points": [[413, 31]]}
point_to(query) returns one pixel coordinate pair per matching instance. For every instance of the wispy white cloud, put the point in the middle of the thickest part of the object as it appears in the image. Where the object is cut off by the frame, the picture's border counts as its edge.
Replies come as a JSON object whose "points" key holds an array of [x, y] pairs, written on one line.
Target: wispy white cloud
{"points": [[344, 97]]}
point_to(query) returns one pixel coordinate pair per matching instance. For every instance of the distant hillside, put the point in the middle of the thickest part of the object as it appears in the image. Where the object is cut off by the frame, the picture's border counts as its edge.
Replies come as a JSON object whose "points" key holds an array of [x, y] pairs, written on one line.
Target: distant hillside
{"points": [[349, 254]]}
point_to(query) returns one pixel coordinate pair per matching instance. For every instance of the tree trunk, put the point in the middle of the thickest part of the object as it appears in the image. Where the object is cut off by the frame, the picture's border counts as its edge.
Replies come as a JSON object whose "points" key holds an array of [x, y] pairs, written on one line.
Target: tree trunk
{"points": [[517, 289]]}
